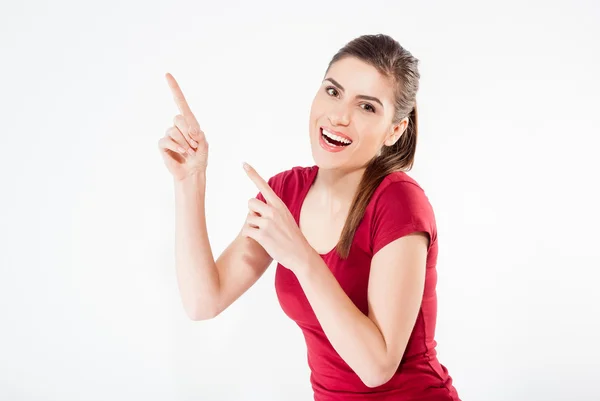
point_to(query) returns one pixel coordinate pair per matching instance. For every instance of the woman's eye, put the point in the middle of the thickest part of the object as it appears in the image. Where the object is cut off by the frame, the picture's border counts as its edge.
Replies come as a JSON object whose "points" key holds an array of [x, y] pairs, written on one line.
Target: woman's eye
{"points": [[331, 91], [370, 108]]}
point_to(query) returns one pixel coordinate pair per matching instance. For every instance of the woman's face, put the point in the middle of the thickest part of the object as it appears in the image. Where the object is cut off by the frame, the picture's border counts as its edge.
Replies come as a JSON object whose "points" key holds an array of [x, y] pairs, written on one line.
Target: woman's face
{"points": [[351, 116]]}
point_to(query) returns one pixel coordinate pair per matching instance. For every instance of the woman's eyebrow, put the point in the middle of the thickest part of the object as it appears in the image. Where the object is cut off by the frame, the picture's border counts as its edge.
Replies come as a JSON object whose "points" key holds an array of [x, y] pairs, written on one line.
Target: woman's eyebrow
{"points": [[336, 83]]}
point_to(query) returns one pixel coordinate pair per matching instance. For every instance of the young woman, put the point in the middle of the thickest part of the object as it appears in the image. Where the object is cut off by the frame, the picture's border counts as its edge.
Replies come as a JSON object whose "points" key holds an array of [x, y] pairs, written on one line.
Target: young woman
{"points": [[354, 237]]}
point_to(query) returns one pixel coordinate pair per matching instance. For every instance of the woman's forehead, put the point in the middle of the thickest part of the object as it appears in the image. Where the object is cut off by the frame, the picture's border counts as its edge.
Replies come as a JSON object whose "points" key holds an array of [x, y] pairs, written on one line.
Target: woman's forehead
{"points": [[357, 77]]}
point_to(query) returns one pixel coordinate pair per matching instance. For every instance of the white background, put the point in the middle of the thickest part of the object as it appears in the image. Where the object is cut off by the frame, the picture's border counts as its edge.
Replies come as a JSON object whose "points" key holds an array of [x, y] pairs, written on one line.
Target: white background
{"points": [[89, 307]]}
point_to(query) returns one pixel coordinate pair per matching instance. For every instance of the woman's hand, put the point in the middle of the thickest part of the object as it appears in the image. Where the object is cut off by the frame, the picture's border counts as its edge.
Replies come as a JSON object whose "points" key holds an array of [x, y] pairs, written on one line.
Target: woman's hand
{"points": [[184, 148], [272, 225]]}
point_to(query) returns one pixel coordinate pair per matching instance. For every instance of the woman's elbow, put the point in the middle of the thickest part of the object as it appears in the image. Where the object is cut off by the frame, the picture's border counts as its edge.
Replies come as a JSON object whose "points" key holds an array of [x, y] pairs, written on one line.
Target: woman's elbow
{"points": [[377, 377], [199, 313], [198, 317]]}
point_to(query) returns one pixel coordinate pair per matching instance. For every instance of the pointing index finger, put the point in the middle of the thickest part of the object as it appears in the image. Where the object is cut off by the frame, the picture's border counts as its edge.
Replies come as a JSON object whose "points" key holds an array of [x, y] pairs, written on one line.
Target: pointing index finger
{"points": [[263, 186], [184, 108]]}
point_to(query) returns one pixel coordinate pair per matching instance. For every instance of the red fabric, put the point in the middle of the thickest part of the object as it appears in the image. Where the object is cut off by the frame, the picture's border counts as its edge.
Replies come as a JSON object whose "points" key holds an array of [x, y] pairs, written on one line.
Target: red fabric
{"points": [[399, 206]]}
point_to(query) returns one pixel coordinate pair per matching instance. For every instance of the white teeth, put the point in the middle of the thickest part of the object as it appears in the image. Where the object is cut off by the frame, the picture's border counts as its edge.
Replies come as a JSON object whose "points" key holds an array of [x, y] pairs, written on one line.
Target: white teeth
{"points": [[335, 137]]}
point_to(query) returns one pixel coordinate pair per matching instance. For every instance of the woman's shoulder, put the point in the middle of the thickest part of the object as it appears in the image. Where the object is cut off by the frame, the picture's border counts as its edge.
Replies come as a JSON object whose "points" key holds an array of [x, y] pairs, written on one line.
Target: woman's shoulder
{"points": [[399, 189], [397, 177], [399, 206], [291, 180], [295, 172], [398, 181]]}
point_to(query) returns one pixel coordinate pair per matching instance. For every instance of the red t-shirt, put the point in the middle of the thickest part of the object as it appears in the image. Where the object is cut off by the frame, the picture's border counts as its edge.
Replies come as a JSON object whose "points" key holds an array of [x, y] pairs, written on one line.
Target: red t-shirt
{"points": [[398, 207]]}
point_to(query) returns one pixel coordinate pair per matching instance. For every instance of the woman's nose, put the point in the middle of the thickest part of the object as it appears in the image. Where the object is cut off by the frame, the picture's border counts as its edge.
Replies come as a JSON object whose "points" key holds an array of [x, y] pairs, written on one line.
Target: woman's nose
{"points": [[339, 116]]}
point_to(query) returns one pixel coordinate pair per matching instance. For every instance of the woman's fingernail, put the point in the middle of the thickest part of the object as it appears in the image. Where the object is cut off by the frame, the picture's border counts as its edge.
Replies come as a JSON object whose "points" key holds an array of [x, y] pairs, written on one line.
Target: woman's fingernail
{"points": [[181, 150], [191, 151], [194, 143]]}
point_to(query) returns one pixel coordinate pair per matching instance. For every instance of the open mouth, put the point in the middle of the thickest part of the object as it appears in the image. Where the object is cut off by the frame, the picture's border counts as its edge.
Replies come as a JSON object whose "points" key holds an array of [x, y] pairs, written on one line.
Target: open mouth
{"points": [[334, 140]]}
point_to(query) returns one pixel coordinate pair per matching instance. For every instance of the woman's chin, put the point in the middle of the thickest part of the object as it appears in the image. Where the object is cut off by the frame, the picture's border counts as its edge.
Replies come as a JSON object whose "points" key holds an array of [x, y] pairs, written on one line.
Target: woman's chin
{"points": [[326, 161]]}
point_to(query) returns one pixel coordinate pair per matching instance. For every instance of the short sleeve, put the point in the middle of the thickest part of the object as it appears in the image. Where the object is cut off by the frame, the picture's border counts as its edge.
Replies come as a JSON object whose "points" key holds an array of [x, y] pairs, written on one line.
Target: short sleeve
{"points": [[402, 208]]}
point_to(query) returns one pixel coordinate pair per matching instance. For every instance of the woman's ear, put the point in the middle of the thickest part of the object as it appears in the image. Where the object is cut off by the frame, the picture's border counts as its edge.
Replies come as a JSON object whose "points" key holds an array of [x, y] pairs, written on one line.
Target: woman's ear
{"points": [[396, 132]]}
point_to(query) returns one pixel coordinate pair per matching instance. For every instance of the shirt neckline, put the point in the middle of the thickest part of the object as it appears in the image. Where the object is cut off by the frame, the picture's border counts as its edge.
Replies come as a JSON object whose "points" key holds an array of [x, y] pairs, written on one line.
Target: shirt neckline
{"points": [[307, 185]]}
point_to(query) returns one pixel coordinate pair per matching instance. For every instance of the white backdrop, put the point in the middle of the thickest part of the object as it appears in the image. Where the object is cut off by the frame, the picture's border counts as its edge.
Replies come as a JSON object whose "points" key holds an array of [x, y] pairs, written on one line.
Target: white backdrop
{"points": [[89, 306]]}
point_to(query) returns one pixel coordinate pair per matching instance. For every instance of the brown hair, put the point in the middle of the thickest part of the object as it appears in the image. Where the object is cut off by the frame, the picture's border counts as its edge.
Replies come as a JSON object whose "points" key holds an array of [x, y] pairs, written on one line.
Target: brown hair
{"points": [[393, 61]]}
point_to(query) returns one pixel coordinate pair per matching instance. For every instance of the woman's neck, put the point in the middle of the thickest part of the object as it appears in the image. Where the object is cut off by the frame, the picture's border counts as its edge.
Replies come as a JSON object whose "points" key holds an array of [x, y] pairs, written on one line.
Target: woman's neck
{"points": [[336, 188]]}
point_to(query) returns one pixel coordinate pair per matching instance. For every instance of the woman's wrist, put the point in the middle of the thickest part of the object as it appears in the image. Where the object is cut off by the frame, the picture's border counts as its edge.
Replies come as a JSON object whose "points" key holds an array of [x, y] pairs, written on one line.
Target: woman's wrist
{"points": [[307, 261], [193, 178]]}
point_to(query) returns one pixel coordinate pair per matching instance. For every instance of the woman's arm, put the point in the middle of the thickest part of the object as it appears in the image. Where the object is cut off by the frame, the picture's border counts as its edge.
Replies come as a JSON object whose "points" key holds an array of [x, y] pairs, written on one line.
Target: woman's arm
{"points": [[371, 345], [208, 287]]}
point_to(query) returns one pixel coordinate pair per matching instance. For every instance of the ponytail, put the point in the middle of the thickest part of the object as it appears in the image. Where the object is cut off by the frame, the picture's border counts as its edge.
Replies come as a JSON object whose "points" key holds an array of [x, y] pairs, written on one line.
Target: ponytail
{"points": [[398, 157]]}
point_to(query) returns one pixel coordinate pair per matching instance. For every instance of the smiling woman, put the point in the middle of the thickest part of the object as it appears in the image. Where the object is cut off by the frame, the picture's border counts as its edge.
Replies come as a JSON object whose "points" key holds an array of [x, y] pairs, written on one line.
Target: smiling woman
{"points": [[333, 139], [354, 236]]}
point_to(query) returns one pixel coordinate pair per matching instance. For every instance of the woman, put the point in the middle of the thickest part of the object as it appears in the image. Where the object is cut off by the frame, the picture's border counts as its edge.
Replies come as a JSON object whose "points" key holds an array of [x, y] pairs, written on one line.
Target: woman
{"points": [[354, 237]]}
